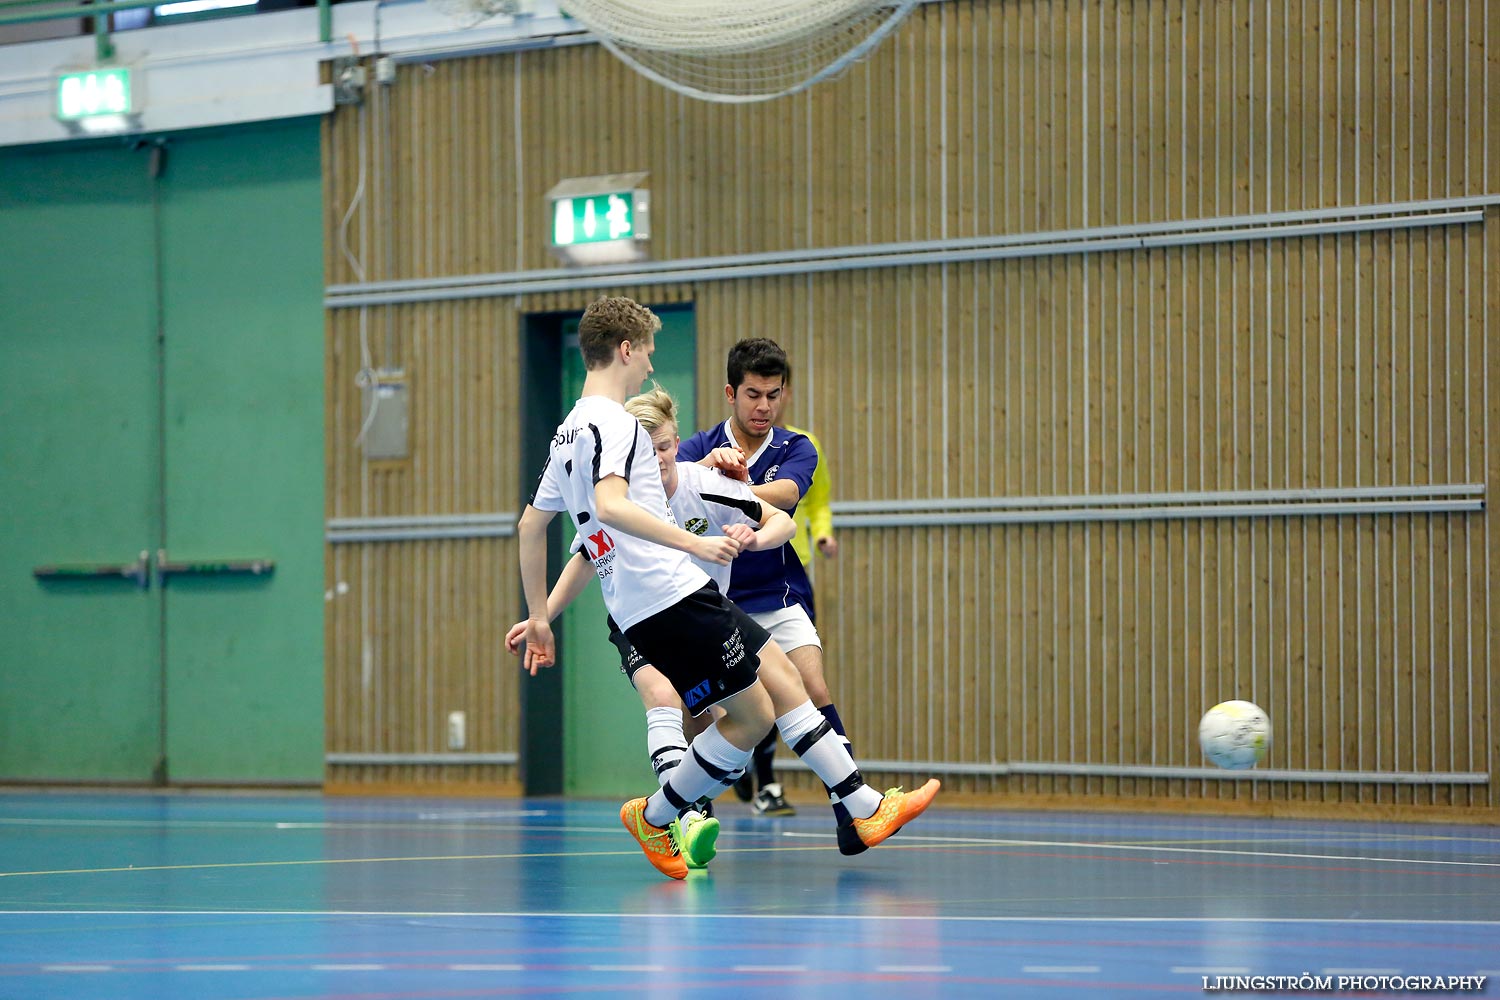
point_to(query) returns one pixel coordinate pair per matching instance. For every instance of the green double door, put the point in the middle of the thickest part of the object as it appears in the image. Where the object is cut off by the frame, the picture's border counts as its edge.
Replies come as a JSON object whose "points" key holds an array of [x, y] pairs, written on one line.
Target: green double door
{"points": [[161, 419], [605, 747]]}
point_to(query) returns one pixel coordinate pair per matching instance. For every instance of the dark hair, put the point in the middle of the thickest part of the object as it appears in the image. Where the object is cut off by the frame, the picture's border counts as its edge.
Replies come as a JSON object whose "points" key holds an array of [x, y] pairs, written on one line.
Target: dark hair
{"points": [[607, 323], [757, 356]]}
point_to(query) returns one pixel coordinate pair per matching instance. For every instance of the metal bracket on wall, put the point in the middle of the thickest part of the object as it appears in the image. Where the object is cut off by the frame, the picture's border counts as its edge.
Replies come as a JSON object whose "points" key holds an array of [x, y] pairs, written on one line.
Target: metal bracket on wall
{"points": [[348, 80], [138, 572]]}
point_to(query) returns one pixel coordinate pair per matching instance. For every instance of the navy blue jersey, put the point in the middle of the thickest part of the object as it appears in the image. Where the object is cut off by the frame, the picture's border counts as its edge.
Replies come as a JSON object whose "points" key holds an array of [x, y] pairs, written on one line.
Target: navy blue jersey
{"points": [[765, 581]]}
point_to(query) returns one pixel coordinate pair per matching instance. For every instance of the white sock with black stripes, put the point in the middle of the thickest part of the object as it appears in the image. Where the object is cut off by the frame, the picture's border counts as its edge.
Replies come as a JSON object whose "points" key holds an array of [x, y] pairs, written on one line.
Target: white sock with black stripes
{"points": [[664, 740], [706, 770], [813, 739]]}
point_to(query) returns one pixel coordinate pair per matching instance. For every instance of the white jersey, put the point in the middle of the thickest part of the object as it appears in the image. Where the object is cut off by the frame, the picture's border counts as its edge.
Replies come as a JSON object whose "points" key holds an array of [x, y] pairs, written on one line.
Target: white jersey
{"points": [[599, 439], [705, 501]]}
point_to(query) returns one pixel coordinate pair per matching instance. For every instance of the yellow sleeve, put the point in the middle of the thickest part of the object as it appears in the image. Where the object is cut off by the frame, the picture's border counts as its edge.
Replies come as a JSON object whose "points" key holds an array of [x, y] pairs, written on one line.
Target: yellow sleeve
{"points": [[814, 517]]}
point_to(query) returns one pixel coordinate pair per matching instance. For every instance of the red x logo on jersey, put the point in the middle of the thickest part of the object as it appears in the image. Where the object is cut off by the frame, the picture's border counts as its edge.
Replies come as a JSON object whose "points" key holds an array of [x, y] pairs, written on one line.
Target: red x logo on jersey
{"points": [[602, 543]]}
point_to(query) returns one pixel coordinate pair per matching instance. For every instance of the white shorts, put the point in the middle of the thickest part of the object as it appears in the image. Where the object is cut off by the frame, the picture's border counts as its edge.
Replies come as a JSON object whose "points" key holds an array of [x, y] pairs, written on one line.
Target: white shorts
{"points": [[790, 627]]}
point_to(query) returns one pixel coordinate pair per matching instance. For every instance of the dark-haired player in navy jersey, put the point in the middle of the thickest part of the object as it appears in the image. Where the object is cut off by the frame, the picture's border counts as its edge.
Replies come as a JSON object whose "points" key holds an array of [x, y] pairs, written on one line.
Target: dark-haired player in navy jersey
{"points": [[773, 586]]}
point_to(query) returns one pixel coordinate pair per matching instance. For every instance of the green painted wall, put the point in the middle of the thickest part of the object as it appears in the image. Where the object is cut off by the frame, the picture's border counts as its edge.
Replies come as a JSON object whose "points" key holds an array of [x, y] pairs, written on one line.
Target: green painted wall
{"points": [[605, 725], [242, 242], [217, 457], [80, 682]]}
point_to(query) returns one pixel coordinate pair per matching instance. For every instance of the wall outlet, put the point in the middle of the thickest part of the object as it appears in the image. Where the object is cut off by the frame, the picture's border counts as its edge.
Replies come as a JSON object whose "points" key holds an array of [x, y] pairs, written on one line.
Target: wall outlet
{"points": [[458, 737]]}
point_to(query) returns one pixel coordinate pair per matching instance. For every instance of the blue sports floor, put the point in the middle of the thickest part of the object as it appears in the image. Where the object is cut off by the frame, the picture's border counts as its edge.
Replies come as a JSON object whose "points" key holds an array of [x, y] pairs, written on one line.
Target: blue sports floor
{"points": [[251, 898]]}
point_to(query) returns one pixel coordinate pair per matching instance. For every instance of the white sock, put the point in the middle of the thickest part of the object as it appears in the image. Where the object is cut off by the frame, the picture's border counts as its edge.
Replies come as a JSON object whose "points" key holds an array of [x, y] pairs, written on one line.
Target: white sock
{"points": [[664, 740], [828, 757], [706, 770]]}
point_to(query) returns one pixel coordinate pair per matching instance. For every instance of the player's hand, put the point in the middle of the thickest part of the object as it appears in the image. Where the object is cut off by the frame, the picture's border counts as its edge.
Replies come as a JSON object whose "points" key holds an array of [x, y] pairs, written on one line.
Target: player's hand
{"points": [[829, 546], [541, 649], [731, 462], [719, 549], [742, 533], [513, 638]]}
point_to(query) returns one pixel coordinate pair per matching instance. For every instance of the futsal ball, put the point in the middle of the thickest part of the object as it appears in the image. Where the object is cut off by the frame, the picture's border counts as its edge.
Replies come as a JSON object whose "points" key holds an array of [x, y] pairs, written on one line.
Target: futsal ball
{"points": [[1235, 734]]}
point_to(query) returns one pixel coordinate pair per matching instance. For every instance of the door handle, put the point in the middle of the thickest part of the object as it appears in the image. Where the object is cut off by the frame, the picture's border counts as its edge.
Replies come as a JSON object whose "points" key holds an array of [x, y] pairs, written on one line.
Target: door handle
{"points": [[212, 567], [138, 572]]}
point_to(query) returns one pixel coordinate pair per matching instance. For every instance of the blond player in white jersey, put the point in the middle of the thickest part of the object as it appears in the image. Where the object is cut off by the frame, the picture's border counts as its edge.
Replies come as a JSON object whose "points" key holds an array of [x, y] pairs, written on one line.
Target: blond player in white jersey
{"points": [[599, 469]]}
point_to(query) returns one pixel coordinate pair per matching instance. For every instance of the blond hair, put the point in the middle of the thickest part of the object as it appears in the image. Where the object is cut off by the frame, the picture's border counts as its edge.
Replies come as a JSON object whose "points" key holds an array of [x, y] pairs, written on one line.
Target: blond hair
{"points": [[653, 408], [609, 322]]}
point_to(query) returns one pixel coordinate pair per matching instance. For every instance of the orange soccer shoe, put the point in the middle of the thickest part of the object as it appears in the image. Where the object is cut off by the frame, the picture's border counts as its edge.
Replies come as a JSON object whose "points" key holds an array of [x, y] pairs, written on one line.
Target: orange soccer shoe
{"points": [[896, 810], [661, 850]]}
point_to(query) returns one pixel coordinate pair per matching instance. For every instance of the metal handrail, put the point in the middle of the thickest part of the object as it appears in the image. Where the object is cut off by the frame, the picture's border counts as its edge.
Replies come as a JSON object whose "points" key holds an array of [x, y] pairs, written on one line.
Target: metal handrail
{"points": [[1000, 769], [1311, 493], [1099, 239], [58, 11]]}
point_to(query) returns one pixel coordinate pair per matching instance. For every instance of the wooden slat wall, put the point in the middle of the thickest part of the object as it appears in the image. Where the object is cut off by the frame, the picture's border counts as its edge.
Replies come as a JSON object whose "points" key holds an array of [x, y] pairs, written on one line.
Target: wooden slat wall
{"points": [[1343, 360], [419, 632], [1103, 643]]}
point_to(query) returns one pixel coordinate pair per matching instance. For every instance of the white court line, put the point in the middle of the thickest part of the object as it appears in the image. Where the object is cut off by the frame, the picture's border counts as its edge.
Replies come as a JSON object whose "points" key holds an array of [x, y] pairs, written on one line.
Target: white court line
{"points": [[911, 840], [411, 825], [422, 822], [211, 968], [1332, 830], [77, 968], [881, 917], [480, 814], [913, 968], [487, 968], [213, 824], [348, 968], [626, 968], [1230, 970], [1058, 969], [769, 968]]}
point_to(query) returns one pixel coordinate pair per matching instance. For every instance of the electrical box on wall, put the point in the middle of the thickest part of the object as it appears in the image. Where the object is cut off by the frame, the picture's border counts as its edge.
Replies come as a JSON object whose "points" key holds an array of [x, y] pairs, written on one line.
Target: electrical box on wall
{"points": [[384, 414]]}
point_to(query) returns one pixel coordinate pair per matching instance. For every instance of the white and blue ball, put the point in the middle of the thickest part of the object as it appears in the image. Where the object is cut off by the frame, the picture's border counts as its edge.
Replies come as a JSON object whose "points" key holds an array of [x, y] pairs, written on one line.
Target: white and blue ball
{"points": [[1235, 734]]}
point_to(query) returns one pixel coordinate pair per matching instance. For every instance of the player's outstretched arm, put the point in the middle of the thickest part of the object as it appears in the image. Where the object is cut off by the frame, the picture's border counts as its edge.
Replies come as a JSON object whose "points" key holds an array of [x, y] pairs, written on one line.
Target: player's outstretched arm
{"points": [[730, 461], [782, 493], [618, 511], [531, 535], [817, 506], [575, 576], [776, 529]]}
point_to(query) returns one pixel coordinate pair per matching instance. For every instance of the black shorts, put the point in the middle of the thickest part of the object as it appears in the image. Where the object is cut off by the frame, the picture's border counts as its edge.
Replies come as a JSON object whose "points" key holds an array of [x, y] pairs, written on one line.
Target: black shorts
{"points": [[630, 658], [704, 644]]}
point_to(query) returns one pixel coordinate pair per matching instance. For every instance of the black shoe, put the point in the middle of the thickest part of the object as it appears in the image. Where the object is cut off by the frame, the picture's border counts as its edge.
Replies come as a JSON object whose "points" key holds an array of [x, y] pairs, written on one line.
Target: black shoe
{"points": [[849, 842], [769, 802], [744, 787], [705, 806]]}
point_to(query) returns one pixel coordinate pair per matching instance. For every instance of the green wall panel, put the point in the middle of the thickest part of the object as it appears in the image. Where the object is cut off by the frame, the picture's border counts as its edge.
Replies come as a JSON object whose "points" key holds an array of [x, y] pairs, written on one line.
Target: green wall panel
{"points": [[80, 665], [242, 249]]}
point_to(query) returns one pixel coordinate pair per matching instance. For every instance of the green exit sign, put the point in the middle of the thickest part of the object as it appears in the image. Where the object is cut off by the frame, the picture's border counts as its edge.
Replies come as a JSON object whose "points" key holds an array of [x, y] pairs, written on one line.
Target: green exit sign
{"points": [[593, 218], [94, 92], [600, 220]]}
